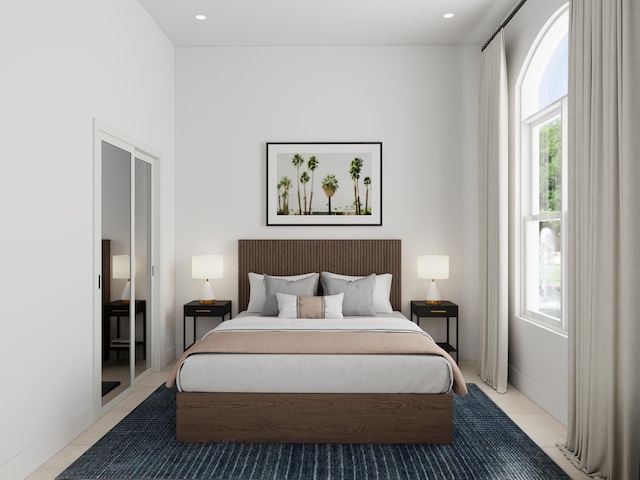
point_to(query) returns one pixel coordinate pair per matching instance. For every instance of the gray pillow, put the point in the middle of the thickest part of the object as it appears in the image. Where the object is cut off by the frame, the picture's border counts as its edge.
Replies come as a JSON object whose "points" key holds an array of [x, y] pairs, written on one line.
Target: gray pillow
{"points": [[358, 294], [305, 287]]}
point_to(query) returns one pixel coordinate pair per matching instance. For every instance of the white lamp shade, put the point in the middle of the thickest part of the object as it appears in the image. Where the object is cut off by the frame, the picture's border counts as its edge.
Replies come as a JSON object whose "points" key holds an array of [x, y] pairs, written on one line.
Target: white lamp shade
{"points": [[206, 266], [433, 266], [120, 267]]}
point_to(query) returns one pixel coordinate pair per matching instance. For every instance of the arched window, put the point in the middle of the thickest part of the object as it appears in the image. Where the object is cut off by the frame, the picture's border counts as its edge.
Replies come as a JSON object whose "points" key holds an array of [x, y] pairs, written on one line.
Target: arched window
{"points": [[541, 191]]}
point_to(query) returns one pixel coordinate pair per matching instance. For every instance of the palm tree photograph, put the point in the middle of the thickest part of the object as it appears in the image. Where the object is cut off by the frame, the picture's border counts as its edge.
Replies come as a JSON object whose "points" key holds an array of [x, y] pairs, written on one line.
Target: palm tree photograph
{"points": [[324, 183]]}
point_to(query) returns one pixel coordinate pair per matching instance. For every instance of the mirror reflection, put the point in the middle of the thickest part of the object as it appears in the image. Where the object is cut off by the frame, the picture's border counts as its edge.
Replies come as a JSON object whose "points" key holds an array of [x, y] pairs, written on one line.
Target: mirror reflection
{"points": [[143, 264], [116, 288]]}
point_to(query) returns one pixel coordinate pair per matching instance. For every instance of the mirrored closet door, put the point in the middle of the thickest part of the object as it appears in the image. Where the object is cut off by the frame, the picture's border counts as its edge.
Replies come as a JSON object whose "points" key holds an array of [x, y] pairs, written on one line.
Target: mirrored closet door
{"points": [[124, 180], [144, 266]]}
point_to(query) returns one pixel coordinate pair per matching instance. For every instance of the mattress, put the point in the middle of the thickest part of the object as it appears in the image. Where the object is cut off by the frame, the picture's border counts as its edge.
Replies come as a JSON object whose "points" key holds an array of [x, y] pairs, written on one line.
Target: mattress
{"points": [[315, 373]]}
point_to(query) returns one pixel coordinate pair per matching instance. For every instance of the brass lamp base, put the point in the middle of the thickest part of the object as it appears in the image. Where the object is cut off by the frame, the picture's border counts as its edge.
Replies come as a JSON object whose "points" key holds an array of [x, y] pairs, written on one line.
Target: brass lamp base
{"points": [[433, 302], [207, 302]]}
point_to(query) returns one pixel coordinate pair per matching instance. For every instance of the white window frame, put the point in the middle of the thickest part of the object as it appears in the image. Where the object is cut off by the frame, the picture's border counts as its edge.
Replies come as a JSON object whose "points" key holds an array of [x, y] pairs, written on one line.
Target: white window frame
{"points": [[526, 175]]}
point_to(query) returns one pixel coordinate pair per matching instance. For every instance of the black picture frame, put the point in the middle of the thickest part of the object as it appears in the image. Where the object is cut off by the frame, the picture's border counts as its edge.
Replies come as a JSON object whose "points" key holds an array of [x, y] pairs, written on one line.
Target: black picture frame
{"points": [[324, 184]]}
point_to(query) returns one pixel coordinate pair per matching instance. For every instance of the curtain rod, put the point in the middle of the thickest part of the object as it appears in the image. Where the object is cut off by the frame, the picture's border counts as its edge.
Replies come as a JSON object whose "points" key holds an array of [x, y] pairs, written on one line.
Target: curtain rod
{"points": [[503, 24]]}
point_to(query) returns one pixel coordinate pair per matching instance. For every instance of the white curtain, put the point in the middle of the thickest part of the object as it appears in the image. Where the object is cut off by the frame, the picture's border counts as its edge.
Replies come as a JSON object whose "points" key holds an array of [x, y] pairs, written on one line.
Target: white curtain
{"points": [[493, 213], [603, 434]]}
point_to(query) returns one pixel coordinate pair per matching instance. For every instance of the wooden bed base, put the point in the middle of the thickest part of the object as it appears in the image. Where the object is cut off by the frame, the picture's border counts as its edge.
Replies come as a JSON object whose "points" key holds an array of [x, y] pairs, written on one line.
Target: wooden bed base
{"points": [[314, 418]]}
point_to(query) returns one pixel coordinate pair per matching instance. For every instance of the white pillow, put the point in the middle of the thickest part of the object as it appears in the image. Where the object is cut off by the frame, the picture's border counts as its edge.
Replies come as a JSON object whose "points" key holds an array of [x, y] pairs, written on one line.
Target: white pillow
{"points": [[258, 290], [381, 291], [294, 306]]}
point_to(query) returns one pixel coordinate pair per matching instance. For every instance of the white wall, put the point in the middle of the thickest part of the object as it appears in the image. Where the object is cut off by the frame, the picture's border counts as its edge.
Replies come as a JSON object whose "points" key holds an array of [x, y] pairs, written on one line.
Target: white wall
{"points": [[64, 64], [421, 102], [538, 357]]}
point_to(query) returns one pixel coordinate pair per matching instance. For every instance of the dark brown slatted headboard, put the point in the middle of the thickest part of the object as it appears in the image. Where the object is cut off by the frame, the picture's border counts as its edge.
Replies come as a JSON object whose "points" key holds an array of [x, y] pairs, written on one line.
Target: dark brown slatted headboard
{"points": [[292, 257]]}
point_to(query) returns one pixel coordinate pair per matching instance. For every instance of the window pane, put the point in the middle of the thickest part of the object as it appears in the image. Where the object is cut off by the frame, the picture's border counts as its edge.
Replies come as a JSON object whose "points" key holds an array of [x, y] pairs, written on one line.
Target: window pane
{"points": [[555, 79], [546, 79], [548, 149], [544, 268]]}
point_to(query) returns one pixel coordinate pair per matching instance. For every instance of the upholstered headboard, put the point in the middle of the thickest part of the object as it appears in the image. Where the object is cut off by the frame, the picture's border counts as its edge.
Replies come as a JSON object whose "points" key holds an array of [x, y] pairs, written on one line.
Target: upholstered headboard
{"points": [[347, 257]]}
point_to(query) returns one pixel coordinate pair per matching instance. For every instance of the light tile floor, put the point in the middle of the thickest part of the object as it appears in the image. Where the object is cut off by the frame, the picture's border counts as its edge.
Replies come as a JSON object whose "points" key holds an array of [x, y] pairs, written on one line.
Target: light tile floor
{"points": [[539, 425]]}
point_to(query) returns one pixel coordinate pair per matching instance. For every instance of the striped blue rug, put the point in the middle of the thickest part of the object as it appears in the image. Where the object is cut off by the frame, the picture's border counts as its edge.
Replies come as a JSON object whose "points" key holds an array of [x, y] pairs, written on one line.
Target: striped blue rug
{"points": [[487, 445]]}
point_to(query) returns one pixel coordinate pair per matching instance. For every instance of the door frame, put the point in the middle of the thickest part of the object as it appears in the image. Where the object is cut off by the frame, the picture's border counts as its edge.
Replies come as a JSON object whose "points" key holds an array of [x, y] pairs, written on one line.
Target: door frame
{"points": [[103, 132]]}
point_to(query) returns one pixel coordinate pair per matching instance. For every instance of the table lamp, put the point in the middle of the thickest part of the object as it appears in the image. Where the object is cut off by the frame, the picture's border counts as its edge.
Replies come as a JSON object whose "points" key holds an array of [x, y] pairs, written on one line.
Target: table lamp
{"points": [[433, 267], [206, 267]]}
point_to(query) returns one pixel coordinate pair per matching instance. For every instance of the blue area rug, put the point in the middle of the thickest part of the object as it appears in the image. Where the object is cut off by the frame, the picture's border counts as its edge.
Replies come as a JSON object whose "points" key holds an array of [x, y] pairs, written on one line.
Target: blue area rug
{"points": [[487, 445]]}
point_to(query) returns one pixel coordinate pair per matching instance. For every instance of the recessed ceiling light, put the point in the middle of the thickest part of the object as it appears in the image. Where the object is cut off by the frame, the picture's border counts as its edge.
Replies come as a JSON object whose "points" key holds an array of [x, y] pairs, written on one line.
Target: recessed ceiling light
{"points": [[201, 17], [448, 15]]}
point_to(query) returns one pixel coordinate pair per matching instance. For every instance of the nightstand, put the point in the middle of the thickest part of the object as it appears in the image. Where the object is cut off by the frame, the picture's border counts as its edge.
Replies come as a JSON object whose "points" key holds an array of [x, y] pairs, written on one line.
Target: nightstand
{"points": [[195, 309], [446, 310], [120, 309]]}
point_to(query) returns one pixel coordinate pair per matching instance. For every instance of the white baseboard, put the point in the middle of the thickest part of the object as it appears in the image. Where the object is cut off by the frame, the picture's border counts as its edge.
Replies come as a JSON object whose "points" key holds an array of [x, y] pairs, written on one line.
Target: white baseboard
{"points": [[168, 357], [32, 457], [468, 353], [548, 402]]}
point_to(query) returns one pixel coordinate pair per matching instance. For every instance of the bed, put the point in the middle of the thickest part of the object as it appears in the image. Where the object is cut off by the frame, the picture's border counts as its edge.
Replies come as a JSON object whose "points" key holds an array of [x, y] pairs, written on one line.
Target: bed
{"points": [[261, 378]]}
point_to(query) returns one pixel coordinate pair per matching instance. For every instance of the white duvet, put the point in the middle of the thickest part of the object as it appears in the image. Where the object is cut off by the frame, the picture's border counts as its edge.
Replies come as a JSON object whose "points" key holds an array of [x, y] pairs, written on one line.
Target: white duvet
{"points": [[302, 373]]}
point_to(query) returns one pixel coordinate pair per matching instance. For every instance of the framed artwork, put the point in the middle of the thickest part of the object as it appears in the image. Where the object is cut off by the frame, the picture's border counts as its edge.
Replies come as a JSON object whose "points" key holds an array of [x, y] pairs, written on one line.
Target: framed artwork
{"points": [[324, 184]]}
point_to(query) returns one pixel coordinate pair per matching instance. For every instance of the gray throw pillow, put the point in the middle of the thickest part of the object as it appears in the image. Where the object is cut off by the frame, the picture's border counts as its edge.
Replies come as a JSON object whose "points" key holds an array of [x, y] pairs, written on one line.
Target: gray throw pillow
{"points": [[358, 294], [304, 287]]}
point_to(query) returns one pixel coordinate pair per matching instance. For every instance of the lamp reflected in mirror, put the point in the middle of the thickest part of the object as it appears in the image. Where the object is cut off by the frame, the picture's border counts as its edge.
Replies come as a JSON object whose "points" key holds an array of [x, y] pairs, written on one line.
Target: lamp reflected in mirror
{"points": [[121, 270]]}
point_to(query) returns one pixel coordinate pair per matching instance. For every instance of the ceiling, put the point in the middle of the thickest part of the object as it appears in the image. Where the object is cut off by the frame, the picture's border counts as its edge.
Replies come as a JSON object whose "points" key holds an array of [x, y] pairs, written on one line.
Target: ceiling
{"points": [[327, 22]]}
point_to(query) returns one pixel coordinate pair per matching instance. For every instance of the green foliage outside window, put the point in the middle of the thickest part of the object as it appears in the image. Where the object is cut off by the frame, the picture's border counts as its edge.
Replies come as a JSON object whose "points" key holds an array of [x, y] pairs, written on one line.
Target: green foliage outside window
{"points": [[550, 187]]}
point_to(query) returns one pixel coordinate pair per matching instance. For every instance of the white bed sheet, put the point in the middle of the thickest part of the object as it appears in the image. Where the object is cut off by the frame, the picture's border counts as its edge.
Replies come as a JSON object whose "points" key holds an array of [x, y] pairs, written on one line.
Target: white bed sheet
{"points": [[300, 373]]}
